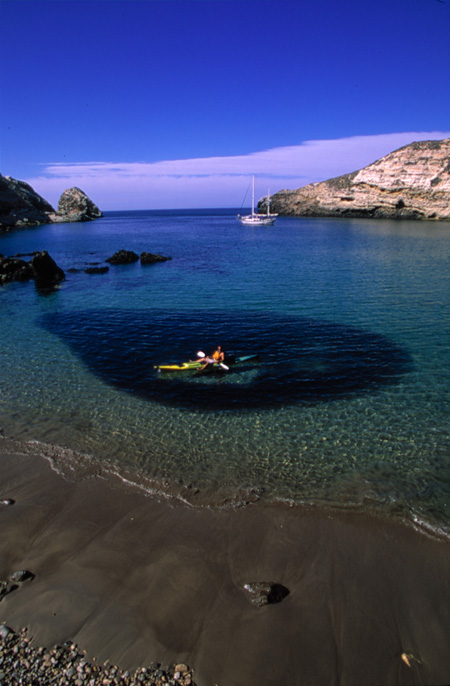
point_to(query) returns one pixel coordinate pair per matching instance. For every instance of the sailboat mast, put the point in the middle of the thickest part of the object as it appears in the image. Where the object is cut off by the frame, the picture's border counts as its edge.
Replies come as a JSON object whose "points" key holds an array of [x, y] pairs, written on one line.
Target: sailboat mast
{"points": [[253, 196]]}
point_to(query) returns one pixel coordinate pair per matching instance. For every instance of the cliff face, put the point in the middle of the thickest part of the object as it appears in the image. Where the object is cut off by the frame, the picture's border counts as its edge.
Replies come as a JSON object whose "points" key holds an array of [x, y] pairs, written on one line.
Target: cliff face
{"points": [[410, 183], [21, 206]]}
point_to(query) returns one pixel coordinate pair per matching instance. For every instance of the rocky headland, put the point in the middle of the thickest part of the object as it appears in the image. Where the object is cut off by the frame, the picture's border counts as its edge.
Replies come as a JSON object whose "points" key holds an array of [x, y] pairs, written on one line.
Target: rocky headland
{"points": [[410, 183], [21, 207]]}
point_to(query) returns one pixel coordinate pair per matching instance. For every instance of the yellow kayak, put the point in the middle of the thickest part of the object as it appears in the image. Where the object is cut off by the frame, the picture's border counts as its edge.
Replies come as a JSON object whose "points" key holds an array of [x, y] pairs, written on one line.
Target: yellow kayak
{"points": [[198, 364]]}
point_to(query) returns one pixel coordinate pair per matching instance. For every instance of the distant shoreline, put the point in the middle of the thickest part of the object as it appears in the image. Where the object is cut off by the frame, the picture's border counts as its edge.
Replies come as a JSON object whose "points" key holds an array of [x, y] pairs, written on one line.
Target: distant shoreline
{"points": [[132, 579]]}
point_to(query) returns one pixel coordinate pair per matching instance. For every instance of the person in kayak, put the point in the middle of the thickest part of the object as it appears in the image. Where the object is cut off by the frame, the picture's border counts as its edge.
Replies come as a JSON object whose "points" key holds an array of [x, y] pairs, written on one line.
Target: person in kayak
{"points": [[217, 357]]}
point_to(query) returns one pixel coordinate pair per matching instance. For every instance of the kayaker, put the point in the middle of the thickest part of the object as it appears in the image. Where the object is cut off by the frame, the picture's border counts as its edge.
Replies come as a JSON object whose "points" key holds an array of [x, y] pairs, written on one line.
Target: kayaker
{"points": [[217, 357]]}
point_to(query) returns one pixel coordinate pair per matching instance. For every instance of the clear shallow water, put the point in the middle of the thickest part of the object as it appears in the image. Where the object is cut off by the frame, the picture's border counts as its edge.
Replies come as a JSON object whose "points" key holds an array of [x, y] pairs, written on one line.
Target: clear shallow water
{"points": [[348, 404]]}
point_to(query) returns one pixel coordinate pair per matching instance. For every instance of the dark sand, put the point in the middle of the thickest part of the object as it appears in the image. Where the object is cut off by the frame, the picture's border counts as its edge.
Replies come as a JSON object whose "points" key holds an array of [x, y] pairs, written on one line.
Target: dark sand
{"points": [[134, 580]]}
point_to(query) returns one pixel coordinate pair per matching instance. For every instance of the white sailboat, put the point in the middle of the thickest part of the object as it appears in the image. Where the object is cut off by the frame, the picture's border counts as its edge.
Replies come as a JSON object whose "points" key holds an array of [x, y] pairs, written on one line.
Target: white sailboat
{"points": [[255, 219]]}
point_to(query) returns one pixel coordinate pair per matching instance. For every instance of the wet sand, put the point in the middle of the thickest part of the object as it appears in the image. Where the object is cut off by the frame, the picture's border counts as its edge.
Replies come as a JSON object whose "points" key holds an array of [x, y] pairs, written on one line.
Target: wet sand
{"points": [[135, 580]]}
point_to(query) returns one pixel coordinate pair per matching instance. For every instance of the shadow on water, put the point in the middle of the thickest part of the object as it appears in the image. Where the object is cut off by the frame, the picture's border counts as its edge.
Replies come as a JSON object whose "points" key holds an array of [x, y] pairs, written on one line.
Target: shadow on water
{"points": [[300, 361]]}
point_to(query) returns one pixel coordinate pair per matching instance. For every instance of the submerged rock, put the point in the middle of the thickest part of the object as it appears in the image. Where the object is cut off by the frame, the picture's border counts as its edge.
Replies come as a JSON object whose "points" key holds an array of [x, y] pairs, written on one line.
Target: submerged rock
{"points": [[96, 270]]}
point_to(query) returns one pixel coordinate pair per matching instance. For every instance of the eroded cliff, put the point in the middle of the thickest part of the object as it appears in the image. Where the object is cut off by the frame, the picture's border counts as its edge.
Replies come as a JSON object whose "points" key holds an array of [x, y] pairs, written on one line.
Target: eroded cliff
{"points": [[410, 183]]}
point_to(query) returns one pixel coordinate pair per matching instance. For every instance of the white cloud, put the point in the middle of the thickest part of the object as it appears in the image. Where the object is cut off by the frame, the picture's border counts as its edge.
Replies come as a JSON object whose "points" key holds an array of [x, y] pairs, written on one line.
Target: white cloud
{"points": [[218, 181]]}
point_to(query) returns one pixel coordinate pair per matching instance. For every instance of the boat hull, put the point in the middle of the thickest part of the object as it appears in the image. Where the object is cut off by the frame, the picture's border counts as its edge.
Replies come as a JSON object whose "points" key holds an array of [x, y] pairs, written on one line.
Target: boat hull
{"points": [[256, 220]]}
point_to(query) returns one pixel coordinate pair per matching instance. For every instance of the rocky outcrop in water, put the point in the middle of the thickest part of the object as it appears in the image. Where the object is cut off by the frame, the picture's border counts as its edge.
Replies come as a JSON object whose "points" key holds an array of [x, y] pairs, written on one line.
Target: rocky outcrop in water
{"points": [[129, 256], [22, 207], [410, 183], [46, 273], [14, 269], [45, 270], [42, 268], [123, 257], [152, 258], [75, 206]]}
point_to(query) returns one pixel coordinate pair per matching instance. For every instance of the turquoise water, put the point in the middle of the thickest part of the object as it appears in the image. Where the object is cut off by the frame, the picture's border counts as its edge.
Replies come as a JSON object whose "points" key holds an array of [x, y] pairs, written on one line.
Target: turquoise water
{"points": [[347, 405]]}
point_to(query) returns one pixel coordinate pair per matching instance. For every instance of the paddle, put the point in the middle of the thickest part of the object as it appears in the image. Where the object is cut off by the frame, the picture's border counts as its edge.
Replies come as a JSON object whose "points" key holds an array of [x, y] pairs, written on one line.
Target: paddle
{"points": [[202, 354]]}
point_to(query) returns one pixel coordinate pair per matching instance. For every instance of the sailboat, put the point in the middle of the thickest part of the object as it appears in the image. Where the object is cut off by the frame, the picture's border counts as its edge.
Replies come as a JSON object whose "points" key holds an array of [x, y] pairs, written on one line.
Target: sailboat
{"points": [[255, 219]]}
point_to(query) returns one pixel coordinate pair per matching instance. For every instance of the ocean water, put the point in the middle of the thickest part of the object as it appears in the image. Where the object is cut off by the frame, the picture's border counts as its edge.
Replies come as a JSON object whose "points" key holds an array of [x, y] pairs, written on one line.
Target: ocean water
{"points": [[347, 404]]}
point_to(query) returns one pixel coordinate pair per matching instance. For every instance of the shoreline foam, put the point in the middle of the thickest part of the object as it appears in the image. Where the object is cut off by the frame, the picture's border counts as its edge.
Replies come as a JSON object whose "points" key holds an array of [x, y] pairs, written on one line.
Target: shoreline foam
{"points": [[135, 580], [74, 466]]}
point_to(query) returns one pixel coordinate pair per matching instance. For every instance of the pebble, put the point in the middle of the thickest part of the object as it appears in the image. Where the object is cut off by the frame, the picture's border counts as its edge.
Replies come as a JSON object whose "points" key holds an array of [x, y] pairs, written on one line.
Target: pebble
{"points": [[22, 663]]}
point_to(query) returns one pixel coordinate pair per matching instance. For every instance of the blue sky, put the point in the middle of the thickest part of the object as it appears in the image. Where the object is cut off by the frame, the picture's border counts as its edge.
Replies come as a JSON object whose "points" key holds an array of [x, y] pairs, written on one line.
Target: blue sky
{"points": [[150, 104]]}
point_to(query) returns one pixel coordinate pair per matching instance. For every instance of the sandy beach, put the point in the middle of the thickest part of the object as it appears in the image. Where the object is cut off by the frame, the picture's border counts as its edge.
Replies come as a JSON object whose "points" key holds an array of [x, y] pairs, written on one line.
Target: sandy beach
{"points": [[134, 580]]}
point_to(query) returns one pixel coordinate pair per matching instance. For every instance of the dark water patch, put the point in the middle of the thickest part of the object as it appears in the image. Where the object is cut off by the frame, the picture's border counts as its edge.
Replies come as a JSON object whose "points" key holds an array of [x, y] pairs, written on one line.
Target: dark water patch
{"points": [[300, 360]]}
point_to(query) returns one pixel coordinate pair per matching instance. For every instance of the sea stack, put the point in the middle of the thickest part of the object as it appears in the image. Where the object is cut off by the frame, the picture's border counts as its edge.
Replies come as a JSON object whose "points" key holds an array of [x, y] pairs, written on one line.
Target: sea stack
{"points": [[21, 207], [75, 206]]}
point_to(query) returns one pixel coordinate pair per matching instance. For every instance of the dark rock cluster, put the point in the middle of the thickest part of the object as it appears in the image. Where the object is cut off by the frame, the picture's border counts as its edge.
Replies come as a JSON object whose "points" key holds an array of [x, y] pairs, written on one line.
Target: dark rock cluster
{"points": [[46, 273], [42, 268], [123, 257], [128, 257], [151, 258]]}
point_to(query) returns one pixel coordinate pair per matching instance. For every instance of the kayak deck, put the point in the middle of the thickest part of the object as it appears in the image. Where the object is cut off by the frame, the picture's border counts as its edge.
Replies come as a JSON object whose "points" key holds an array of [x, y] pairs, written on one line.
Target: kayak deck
{"points": [[178, 367], [198, 364]]}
